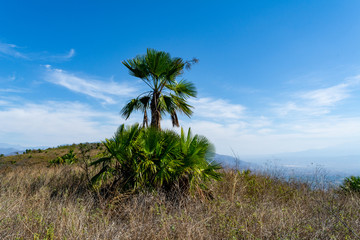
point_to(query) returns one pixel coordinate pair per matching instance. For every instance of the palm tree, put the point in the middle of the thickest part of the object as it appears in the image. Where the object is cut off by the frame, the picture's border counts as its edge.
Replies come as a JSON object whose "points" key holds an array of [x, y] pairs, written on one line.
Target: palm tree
{"points": [[139, 158], [166, 96]]}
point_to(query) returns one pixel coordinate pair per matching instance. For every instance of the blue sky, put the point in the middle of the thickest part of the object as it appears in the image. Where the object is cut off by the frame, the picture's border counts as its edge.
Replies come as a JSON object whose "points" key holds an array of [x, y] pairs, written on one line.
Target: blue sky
{"points": [[273, 76]]}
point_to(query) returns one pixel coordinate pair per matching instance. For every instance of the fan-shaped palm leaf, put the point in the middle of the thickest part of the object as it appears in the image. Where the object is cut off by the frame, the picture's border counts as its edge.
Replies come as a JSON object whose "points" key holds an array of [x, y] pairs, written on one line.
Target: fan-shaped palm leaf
{"points": [[141, 158], [159, 71]]}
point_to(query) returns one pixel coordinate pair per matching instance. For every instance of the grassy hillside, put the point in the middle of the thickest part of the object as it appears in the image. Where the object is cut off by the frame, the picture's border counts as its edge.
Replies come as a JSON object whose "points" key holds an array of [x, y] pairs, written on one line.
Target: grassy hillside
{"points": [[39, 201], [42, 157]]}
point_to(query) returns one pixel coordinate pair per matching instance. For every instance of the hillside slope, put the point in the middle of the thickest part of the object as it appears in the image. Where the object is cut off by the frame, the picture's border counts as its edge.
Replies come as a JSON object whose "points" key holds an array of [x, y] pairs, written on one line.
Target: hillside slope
{"points": [[38, 201]]}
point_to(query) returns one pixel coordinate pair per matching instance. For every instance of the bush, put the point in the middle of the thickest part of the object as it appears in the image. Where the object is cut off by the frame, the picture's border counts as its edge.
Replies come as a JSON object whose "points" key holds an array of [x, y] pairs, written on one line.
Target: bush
{"points": [[68, 158], [351, 184], [147, 158]]}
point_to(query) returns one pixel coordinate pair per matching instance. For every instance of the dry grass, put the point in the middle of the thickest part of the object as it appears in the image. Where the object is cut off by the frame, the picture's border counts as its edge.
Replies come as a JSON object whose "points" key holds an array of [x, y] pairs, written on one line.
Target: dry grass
{"points": [[38, 202], [42, 157]]}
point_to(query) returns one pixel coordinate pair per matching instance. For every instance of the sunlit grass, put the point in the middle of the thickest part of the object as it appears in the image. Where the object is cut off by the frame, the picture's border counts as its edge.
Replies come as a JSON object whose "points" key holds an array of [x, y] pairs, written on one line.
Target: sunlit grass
{"points": [[41, 202]]}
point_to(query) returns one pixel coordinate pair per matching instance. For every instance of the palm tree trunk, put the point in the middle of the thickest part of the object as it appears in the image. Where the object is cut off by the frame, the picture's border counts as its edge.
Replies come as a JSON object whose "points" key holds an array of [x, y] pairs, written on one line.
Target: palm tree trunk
{"points": [[155, 112], [145, 120]]}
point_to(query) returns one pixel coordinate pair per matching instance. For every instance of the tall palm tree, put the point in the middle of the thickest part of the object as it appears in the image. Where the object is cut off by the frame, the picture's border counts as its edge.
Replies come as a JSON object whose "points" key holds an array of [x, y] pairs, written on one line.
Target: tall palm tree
{"points": [[158, 70]]}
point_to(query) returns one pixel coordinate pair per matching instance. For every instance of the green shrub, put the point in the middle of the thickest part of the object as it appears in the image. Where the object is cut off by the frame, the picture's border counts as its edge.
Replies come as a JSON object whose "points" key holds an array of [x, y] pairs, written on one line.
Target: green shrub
{"points": [[68, 158], [147, 158], [351, 184]]}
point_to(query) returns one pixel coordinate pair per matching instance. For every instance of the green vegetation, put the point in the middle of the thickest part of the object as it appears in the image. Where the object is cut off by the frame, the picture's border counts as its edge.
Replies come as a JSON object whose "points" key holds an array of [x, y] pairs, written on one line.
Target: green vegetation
{"points": [[27, 151], [68, 158], [148, 158], [142, 158], [166, 96], [351, 184]]}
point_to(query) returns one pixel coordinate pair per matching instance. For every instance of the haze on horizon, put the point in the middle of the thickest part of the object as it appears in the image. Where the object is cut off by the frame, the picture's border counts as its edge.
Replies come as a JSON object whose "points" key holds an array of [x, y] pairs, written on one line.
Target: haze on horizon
{"points": [[273, 76]]}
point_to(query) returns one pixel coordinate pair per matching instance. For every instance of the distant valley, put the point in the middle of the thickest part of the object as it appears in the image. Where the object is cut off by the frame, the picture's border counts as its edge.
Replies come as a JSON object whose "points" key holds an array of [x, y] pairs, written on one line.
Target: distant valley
{"points": [[299, 165]]}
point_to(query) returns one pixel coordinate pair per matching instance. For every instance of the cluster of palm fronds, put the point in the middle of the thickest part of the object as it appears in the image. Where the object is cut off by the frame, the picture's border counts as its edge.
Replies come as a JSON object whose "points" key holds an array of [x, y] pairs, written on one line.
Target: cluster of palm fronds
{"points": [[68, 158], [148, 158], [158, 70]]}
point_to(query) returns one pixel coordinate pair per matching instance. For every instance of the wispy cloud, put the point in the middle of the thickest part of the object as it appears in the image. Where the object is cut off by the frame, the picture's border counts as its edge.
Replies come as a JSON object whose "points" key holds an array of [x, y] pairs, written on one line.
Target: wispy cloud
{"points": [[4, 103], [55, 57], [319, 101], [70, 54], [327, 97], [293, 107], [217, 109], [11, 90], [10, 78], [107, 91], [11, 50]]}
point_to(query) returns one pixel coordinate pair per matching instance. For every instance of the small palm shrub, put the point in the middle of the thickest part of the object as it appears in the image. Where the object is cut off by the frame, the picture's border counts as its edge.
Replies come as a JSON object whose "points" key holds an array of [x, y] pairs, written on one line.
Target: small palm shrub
{"points": [[68, 158], [139, 158], [351, 184]]}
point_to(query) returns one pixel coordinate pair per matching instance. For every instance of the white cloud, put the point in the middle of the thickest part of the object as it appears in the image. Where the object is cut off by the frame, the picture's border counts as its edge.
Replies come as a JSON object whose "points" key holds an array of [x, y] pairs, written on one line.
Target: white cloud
{"points": [[310, 125], [59, 57], [70, 54], [319, 101], [327, 96], [11, 50], [12, 90], [105, 91], [4, 103], [55, 123], [286, 137], [8, 78], [299, 108], [217, 109]]}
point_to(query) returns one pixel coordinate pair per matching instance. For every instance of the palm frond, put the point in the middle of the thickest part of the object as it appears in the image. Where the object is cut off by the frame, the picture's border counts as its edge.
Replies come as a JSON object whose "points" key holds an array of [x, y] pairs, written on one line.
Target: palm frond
{"points": [[182, 106], [183, 89], [159, 71], [133, 105]]}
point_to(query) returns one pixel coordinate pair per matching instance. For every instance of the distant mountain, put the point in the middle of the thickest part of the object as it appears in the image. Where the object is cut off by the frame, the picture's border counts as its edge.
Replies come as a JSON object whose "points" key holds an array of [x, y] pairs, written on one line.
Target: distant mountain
{"points": [[334, 164], [302, 165], [340, 159], [233, 162], [8, 149], [349, 164], [5, 145]]}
